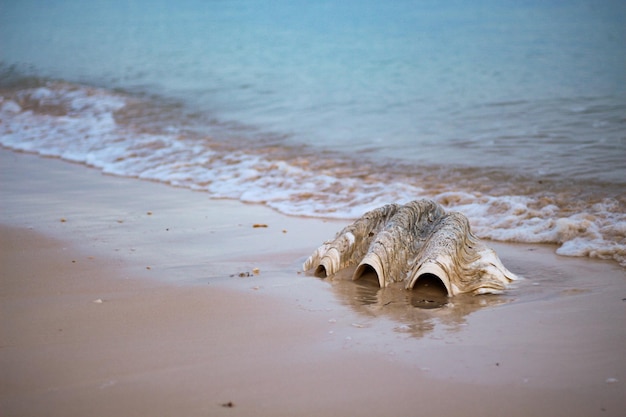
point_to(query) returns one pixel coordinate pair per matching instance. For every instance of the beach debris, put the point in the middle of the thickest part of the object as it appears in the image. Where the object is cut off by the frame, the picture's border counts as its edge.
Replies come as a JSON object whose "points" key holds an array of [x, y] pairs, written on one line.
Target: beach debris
{"points": [[405, 243], [98, 301], [229, 404], [149, 213], [611, 380], [244, 274], [63, 220], [259, 225]]}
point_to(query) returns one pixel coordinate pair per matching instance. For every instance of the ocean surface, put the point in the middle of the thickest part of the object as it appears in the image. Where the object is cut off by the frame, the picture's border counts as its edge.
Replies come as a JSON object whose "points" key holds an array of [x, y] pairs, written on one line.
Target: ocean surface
{"points": [[512, 112]]}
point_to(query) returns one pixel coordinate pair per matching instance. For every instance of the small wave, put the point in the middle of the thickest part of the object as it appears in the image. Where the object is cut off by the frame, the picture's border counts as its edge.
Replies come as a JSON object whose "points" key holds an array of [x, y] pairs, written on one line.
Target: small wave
{"points": [[95, 127]]}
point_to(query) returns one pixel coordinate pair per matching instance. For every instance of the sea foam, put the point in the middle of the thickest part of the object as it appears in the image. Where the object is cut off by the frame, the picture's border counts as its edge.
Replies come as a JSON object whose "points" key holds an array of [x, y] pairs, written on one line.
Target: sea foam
{"points": [[81, 124]]}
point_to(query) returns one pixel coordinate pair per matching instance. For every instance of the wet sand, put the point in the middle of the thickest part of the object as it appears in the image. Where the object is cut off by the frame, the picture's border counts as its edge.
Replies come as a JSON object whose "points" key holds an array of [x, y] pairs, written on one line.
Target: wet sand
{"points": [[125, 297]]}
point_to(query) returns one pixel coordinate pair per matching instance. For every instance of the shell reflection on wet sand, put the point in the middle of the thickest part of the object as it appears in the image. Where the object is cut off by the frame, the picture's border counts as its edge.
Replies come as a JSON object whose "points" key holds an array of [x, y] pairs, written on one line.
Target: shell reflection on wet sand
{"points": [[424, 311], [413, 243]]}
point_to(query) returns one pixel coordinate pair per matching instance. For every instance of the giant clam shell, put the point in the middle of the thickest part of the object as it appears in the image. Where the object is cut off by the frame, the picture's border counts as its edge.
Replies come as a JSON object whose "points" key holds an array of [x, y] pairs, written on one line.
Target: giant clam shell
{"points": [[404, 243]]}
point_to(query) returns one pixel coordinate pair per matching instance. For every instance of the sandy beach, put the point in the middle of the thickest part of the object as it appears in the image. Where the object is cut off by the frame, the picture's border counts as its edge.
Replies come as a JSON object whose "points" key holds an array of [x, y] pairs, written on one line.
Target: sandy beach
{"points": [[134, 298]]}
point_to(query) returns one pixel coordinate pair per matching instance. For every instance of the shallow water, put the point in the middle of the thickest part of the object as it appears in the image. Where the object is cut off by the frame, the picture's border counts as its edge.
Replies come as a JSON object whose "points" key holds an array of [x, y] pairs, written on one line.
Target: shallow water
{"points": [[512, 114]]}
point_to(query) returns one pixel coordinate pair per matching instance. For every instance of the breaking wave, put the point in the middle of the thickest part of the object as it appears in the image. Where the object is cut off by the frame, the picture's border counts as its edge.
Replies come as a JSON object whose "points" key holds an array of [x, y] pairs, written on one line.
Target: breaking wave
{"points": [[128, 136]]}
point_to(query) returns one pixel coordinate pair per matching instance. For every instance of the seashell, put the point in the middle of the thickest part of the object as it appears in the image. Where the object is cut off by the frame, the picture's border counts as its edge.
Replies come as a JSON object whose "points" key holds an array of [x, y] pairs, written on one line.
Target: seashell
{"points": [[404, 243]]}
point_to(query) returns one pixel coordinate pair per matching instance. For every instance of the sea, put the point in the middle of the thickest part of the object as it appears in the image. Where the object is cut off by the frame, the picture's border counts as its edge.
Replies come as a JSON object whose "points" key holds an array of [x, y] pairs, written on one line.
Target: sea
{"points": [[512, 112]]}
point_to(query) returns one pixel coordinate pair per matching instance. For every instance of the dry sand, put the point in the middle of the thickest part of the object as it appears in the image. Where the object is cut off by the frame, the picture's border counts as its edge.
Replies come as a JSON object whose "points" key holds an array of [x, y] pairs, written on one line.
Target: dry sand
{"points": [[123, 297]]}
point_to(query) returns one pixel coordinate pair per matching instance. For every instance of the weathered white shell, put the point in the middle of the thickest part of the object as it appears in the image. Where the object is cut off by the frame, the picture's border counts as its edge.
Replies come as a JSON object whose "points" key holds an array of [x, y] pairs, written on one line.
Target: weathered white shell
{"points": [[403, 243]]}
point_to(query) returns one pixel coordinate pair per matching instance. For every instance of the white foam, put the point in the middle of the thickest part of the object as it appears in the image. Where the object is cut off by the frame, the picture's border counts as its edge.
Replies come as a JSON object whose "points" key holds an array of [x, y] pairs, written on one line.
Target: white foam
{"points": [[10, 107], [78, 124]]}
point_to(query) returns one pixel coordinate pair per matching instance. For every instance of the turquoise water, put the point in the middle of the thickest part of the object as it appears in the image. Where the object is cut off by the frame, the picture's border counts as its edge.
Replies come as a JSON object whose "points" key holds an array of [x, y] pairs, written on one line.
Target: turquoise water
{"points": [[512, 112]]}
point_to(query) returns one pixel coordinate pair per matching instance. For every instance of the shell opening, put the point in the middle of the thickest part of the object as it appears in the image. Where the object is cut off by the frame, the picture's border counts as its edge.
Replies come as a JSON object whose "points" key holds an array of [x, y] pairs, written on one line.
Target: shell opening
{"points": [[366, 272], [429, 292], [431, 284], [432, 272], [320, 271]]}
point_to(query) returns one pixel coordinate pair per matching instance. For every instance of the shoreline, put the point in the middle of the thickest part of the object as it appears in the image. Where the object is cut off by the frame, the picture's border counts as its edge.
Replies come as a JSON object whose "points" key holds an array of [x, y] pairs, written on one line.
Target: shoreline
{"points": [[178, 331]]}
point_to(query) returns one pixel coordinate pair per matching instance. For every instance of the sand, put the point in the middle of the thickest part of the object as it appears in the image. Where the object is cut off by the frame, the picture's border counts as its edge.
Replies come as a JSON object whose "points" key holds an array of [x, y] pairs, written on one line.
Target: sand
{"points": [[132, 298]]}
